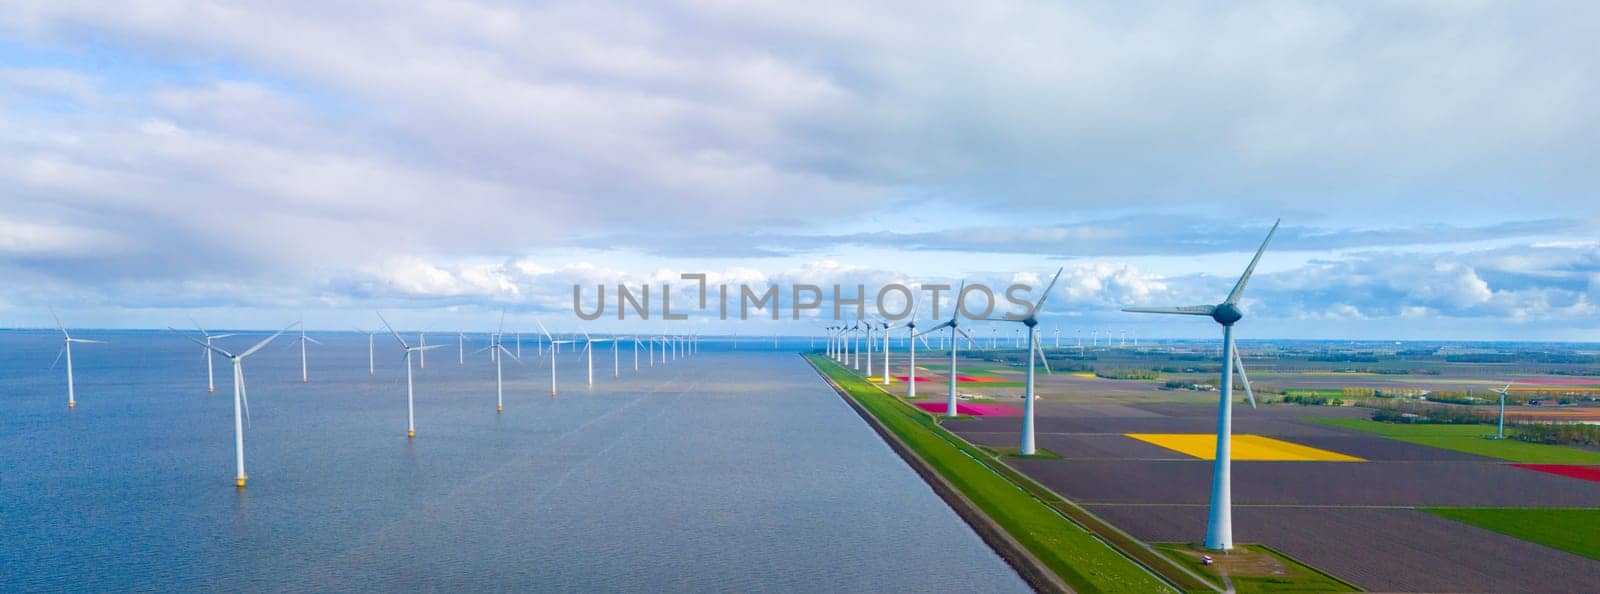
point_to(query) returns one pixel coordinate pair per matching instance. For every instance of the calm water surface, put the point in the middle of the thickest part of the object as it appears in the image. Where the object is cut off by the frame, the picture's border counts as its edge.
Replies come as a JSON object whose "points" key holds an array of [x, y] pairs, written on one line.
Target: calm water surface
{"points": [[734, 470]]}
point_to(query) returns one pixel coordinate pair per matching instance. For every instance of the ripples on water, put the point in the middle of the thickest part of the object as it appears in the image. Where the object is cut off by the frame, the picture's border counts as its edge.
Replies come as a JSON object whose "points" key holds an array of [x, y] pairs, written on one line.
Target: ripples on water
{"points": [[732, 471]]}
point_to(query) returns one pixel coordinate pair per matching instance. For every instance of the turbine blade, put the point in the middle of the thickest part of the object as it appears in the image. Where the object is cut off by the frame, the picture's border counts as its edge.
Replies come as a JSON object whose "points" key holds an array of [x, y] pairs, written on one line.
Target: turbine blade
{"points": [[1238, 289], [201, 343], [87, 340], [542, 329], [1046, 295], [507, 352], [196, 325], [1238, 363], [216, 336], [959, 296], [502, 329], [59, 353], [391, 331], [264, 342], [1042, 359], [970, 341], [313, 340], [58, 323], [1187, 310], [244, 395], [429, 347]]}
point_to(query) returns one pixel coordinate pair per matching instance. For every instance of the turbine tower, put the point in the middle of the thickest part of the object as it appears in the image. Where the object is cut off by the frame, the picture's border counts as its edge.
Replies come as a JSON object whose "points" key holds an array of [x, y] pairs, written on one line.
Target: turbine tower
{"points": [[411, 416], [1032, 322], [1219, 522], [304, 376], [954, 325], [553, 344], [1500, 425], [211, 378], [239, 397], [496, 346], [66, 349]]}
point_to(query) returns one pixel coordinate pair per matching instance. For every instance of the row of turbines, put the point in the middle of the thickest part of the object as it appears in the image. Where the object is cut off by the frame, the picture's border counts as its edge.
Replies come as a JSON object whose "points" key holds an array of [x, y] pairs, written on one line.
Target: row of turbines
{"points": [[845, 341], [670, 347]]}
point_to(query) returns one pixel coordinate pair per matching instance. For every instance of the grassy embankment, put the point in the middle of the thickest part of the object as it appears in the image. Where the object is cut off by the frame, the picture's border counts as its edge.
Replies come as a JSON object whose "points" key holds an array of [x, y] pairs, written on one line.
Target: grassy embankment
{"points": [[1471, 439], [1037, 520], [1576, 531]]}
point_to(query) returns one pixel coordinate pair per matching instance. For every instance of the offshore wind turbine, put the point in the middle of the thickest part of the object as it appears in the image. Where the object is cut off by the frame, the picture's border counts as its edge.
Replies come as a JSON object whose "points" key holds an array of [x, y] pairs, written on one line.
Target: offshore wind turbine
{"points": [[304, 377], [1219, 520], [239, 397], [953, 324], [66, 349], [211, 378], [411, 416], [372, 367], [553, 344], [1032, 322], [588, 351], [496, 346], [461, 346]]}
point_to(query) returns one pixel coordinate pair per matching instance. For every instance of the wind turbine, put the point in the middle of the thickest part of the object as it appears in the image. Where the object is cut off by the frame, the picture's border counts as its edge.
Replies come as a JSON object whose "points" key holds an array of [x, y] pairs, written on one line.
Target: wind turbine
{"points": [[239, 396], [954, 325], [411, 416], [422, 356], [461, 345], [553, 344], [588, 350], [1032, 322], [1219, 521], [372, 367], [66, 348], [886, 378], [211, 378], [304, 378], [1500, 426], [496, 346]]}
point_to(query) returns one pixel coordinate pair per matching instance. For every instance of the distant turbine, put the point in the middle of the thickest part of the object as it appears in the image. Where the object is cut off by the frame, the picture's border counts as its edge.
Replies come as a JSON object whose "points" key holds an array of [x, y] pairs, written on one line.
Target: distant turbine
{"points": [[954, 325], [588, 350], [1500, 426], [211, 381], [886, 378], [411, 416], [66, 348], [496, 346], [422, 356], [372, 367], [553, 344], [1219, 522], [304, 377], [911, 338], [1032, 322], [239, 397], [461, 346]]}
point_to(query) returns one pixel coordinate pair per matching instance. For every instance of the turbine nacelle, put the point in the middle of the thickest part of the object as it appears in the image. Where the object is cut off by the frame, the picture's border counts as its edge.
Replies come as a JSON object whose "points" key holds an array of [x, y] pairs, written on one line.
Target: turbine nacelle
{"points": [[1226, 314]]}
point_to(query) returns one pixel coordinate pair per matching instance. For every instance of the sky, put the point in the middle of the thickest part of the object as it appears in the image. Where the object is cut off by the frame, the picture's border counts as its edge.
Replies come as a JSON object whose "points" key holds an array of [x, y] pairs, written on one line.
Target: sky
{"points": [[252, 163]]}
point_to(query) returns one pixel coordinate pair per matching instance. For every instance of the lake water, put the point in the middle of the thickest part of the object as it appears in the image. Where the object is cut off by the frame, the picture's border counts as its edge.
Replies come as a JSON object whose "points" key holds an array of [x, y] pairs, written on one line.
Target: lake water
{"points": [[731, 471]]}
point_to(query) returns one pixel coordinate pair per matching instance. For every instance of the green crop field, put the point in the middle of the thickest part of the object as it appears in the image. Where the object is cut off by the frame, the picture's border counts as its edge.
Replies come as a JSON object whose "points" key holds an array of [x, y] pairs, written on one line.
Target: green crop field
{"points": [[1471, 439], [1083, 561], [1576, 531]]}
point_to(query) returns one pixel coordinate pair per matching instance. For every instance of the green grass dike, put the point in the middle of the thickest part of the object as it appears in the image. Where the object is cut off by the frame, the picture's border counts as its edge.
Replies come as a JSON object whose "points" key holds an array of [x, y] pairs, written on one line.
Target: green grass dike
{"points": [[1575, 531], [1470, 439], [1081, 559]]}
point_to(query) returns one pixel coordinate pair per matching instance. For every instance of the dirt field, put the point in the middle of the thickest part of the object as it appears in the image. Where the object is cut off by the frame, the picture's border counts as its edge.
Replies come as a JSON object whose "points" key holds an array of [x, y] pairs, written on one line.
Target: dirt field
{"points": [[1352, 519]]}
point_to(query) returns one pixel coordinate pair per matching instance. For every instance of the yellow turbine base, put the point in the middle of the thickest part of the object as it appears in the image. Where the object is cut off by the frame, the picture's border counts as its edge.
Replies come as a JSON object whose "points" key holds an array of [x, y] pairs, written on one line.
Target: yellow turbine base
{"points": [[411, 433], [499, 409], [212, 390], [75, 405], [238, 482]]}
